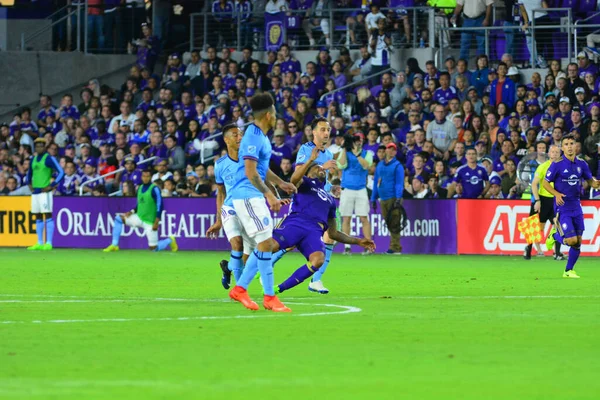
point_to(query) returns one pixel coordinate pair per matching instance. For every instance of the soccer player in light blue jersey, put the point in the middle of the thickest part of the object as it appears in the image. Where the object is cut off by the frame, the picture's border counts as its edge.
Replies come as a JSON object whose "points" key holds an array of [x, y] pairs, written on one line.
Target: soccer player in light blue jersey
{"points": [[566, 174], [321, 131], [248, 193], [225, 173]]}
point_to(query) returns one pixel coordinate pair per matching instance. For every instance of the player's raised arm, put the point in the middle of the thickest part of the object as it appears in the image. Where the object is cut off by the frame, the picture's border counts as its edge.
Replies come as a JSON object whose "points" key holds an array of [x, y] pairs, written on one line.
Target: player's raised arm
{"points": [[302, 169], [275, 180]]}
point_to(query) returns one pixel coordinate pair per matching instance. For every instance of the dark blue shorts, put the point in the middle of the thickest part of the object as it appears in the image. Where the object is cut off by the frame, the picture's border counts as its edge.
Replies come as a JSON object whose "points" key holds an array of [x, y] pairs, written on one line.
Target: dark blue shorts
{"points": [[305, 235], [571, 225]]}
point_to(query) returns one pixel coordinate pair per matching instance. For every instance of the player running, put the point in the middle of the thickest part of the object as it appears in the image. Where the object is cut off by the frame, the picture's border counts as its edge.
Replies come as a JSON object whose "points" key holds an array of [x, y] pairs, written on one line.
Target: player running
{"points": [[248, 193], [41, 185], [566, 174], [314, 213], [225, 172], [146, 215], [543, 200], [321, 131]]}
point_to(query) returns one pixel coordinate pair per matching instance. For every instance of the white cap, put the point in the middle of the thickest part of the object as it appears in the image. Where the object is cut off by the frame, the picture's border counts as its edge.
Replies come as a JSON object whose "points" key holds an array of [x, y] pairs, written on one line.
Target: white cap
{"points": [[565, 100], [513, 71], [579, 90]]}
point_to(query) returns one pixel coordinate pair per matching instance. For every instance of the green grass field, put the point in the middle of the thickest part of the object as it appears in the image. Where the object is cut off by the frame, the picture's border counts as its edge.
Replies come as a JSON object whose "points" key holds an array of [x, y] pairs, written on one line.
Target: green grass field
{"points": [[141, 325]]}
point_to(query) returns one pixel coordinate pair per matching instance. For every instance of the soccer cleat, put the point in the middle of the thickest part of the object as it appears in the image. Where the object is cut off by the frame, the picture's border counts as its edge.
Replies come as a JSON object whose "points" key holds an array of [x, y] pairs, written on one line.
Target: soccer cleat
{"points": [[277, 290], [240, 294], [393, 253], [174, 246], [46, 247], [111, 248], [550, 239], [367, 253], [36, 247], [272, 303], [318, 287], [226, 278], [347, 252], [570, 274], [559, 257], [527, 252]]}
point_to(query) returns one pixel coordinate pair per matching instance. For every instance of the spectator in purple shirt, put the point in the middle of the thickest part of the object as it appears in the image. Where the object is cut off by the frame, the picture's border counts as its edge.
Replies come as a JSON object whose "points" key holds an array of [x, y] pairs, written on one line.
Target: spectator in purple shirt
{"points": [[338, 75], [387, 84], [46, 108], [68, 184], [445, 92], [157, 147], [279, 150], [67, 109], [585, 65]]}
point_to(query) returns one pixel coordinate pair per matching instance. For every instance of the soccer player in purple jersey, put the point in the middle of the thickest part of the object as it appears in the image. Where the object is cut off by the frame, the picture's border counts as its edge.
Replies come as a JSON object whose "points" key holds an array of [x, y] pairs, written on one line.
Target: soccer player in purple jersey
{"points": [[566, 174], [313, 214]]}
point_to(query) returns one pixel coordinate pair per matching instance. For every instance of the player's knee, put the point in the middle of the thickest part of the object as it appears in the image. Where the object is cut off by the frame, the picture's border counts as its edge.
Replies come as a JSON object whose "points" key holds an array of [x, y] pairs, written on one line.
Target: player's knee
{"points": [[572, 242], [237, 244], [317, 261]]}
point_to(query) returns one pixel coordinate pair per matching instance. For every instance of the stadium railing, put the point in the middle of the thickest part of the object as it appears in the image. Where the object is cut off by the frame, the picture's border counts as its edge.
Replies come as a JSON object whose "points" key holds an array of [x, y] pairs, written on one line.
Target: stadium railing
{"points": [[589, 23], [111, 173], [351, 84], [205, 30], [59, 18], [496, 34]]}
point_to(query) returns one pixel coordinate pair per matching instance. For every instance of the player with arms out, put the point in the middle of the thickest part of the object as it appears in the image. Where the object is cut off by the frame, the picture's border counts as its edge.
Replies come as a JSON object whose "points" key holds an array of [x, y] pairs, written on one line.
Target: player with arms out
{"points": [[248, 194], [225, 172], [321, 131], [566, 174], [313, 214], [146, 215], [41, 185], [543, 200]]}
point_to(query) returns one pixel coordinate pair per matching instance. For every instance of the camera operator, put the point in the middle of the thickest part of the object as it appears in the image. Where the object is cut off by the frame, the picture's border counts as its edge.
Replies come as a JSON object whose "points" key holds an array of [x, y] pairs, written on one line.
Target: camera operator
{"points": [[355, 163]]}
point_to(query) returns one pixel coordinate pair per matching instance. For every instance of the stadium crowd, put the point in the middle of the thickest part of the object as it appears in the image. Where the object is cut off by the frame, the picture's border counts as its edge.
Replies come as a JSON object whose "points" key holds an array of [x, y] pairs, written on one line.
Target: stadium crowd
{"points": [[433, 121]]}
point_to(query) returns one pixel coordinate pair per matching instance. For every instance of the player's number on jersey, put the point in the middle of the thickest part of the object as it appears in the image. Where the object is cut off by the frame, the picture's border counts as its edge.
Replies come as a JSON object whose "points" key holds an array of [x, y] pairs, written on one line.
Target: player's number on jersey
{"points": [[323, 195]]}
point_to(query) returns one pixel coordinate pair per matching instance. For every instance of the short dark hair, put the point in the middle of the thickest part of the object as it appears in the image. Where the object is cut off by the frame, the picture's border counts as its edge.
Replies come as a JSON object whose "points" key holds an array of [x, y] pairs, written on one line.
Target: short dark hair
{"points": [[444, 73], [315, 122], [261, 102], [570, 136], [229, 127]]}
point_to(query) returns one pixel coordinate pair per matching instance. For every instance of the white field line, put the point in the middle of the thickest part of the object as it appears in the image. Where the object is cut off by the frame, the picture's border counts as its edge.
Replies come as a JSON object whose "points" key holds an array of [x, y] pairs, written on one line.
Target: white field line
{"points": [[344, 310]]}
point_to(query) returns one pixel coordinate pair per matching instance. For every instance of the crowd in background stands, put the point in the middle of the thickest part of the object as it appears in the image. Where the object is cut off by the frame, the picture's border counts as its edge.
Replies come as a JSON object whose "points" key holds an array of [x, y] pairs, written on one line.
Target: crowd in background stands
{"points": [[434, 117]]}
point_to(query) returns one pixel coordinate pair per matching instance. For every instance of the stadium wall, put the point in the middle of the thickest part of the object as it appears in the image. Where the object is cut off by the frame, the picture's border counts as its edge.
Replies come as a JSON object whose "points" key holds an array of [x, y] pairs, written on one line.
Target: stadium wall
{"points": [[484, 226]]}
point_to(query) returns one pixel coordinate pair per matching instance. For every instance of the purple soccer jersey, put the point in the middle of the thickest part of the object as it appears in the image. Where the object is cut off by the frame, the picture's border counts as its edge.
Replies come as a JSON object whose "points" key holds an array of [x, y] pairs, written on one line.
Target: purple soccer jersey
{"points": [[567, 176], [312, 208]]}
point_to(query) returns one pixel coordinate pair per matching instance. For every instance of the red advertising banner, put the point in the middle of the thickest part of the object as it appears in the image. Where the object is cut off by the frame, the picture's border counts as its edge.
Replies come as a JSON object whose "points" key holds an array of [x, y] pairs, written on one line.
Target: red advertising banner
{"points": [[491, 227]]}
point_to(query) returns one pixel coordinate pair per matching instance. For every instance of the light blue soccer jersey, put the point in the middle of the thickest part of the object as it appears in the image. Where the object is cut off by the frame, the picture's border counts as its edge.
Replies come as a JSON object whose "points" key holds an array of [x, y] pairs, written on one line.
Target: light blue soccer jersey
{"points": [[225, 172], [254, 146], [324, 156]]}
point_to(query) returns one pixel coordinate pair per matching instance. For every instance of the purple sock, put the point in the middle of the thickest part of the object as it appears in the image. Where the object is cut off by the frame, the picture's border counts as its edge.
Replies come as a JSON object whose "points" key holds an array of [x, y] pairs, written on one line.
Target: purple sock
{"points": [[299, 276], [573, 256], [558, 238]]}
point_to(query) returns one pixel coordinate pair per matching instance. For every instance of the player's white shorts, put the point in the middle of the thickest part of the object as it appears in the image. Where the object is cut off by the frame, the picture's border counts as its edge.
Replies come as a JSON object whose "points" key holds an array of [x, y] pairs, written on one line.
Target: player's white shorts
{"points": [[255, 218], [233, 228], [354, 202], [135, 222], [41, 203]]}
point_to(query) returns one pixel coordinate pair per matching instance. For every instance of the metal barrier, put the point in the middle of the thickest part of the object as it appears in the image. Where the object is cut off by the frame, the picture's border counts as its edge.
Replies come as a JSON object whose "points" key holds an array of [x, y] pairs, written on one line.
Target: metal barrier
{"points": [[351, 84], [58, 23], [111, 173], [581, 24], [412, 26], [530, 34]]}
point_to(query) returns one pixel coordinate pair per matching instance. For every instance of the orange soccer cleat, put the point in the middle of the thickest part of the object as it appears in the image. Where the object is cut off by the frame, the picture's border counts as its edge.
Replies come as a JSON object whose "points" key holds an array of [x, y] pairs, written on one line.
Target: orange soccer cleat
{"points": [[240, 294], [272, 303]]}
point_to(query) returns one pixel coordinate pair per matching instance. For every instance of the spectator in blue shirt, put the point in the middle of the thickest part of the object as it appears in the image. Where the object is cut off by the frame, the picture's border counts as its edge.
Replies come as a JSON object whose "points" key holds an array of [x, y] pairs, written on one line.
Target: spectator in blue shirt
{"points": [[388, 186]]}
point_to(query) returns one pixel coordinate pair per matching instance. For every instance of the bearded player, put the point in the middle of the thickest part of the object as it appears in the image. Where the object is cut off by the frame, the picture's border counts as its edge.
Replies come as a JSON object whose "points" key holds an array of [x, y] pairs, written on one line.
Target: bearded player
{"points": [[146, 215], [566, 174], [313, 214], [321, 131]]}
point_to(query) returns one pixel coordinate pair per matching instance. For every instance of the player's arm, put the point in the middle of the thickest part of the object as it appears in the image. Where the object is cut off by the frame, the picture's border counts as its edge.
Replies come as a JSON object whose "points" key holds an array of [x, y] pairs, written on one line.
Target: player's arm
{"points": [[341, 237], [485, 189], [399, 187], [159, 206], [302, 169], [254, 178], [213, 231], [275, 180], [589, 178], [52, 163], [535, 192], [30, 175]]}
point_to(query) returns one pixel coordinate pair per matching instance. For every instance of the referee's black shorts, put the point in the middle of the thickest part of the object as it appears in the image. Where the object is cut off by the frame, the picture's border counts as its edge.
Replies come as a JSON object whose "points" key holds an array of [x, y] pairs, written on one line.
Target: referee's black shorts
{"points": [[546, 209]]}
